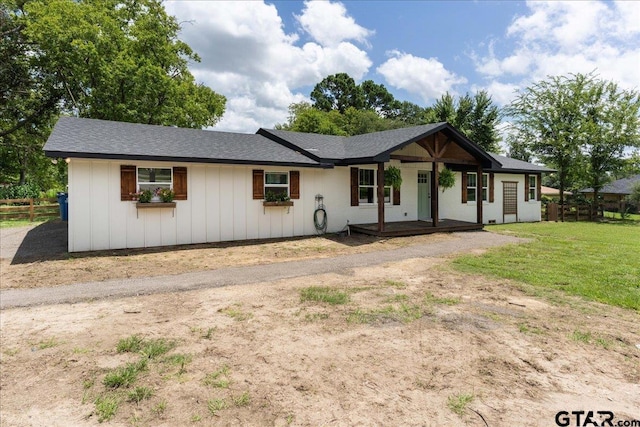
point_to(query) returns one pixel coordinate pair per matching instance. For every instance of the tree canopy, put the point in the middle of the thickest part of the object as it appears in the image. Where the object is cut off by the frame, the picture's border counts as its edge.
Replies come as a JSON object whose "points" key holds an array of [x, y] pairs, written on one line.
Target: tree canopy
{"points": [[476, 117], [106, 59], [579, 124]]}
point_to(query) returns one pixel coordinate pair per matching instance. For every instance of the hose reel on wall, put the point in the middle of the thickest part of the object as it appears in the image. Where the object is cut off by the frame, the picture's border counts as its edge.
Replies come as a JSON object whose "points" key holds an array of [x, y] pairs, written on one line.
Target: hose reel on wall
{"points": [[320, 215]]}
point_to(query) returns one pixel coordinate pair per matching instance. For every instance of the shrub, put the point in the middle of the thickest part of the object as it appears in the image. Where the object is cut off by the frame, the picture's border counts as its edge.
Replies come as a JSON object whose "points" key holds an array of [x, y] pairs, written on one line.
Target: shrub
{"points": [[25, 191]]}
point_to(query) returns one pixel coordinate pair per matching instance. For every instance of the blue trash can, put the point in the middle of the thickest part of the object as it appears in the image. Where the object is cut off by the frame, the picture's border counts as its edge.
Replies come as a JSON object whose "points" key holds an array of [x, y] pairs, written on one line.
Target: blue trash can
{"points": [[64, 206]]}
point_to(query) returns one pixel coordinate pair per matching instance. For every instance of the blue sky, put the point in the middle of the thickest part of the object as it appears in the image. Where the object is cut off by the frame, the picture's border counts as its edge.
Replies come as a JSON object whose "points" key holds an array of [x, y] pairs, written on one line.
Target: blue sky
{"points": [[264, 56]]}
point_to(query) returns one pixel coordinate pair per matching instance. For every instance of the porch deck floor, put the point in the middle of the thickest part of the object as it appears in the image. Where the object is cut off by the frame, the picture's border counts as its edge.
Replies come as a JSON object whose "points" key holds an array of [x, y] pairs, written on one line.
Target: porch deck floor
{"points": [[412, 228]]}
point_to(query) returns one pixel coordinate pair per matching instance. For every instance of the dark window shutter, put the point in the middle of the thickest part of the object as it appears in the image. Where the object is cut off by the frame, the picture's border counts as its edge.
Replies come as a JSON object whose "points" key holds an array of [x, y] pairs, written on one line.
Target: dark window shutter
{"points": [[180, 182], [258, 184], [538, 186], [526, 187], [492, 187], [355, 181], [294, 184], [396, 196], [128, 184], [464, 187]]}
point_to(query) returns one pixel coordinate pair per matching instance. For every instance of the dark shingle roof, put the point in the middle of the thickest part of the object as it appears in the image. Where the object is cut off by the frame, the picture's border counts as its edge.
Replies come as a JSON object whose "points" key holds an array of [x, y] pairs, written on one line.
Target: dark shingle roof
{"points": [[370, 147], [373, 144], [315, 145], [621, 186], [90, 138], [517, 166]]}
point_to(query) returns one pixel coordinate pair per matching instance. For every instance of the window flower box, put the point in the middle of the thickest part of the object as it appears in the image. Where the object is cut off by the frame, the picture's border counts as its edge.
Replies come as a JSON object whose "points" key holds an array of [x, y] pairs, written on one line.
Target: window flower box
{"points": [[279, 203]]}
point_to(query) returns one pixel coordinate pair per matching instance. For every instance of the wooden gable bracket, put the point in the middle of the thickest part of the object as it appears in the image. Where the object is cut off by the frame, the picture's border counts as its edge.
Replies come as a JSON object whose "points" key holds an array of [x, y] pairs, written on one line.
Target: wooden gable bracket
{"points": [[443, 148]]}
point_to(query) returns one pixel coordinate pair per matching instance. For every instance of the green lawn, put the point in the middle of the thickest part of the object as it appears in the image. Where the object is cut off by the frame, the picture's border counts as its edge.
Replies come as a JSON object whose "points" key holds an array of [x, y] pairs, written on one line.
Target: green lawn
{"points": [[598, 261]]}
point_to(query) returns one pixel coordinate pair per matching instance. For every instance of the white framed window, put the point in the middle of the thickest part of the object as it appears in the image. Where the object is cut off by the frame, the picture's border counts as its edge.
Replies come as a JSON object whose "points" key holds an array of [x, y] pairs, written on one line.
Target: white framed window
{"points": [[367, 187], [276, 183], [533, 188], [153, 178], [472, 187]]}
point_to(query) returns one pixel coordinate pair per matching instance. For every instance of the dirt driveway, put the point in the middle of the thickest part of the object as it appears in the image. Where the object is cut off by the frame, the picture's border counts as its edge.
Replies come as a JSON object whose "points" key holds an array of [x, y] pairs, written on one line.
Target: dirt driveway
{"points": [[409, 342]]}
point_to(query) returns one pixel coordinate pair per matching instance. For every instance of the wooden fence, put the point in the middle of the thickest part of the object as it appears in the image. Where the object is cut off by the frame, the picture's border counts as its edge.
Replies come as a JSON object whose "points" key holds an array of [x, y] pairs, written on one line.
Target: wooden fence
{"points": [[29, 208], [576, 211]]}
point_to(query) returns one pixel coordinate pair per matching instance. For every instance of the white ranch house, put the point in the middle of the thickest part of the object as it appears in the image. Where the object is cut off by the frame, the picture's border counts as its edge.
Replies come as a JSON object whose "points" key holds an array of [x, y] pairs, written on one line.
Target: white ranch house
{"points": [[220, 180]]}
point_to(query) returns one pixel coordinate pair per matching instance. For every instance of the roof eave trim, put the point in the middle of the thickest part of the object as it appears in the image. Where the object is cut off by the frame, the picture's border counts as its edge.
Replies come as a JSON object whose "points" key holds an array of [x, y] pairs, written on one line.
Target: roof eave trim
{"points": [[128, 157]]}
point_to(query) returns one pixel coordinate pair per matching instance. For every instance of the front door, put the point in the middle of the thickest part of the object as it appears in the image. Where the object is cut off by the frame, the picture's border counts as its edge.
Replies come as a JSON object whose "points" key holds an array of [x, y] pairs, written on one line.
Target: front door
{"points": [[424, 195]]}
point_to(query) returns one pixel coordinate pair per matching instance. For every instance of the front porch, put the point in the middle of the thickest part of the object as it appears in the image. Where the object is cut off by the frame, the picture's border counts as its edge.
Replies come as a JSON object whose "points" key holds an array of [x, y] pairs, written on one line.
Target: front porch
{"points": [[412, 228]]}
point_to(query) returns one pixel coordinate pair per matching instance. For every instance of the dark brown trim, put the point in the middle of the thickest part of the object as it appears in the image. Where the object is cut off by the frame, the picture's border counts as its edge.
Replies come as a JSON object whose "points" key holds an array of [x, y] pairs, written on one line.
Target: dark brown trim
{"points": [[464, 182], [355, 177], [435, 191], [492, 187], [526, 187], [479, 200], [180, 182], [128, 182], [258, 184], [538, 186], [294, 184], [380, 190]]}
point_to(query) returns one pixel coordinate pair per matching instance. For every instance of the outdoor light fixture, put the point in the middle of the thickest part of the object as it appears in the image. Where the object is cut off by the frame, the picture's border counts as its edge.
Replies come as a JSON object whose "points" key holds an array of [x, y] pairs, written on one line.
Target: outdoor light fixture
{"points": [[68, 160]]}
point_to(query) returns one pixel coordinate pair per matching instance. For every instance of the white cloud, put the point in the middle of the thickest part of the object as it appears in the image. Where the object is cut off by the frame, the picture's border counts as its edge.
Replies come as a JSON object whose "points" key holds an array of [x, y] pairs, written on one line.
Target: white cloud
{"points": [[329, 24], [248, 57], [426, 77], [559, 38], [501, 93]]}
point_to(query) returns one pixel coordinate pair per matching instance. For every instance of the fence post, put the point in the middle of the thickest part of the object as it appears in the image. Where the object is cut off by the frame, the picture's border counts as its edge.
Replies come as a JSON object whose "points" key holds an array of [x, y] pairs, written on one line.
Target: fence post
{"points": [[31, 211]]}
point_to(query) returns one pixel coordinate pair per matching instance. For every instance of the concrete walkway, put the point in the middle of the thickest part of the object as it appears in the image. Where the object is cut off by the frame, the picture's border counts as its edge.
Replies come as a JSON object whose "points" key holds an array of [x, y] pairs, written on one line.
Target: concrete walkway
{"points": [[243, 275]]}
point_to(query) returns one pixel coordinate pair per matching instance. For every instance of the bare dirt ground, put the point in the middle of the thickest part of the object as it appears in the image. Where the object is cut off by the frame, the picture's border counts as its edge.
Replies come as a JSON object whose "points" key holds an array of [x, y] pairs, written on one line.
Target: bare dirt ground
{"points": [[414, 339]]}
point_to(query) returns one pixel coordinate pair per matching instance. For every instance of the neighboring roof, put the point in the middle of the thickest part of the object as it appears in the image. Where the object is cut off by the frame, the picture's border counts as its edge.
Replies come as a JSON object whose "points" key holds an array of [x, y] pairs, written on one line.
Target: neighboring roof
{"points": [[517, 166], [550, 191], [621, 186], [91, 138], [370, 147]]}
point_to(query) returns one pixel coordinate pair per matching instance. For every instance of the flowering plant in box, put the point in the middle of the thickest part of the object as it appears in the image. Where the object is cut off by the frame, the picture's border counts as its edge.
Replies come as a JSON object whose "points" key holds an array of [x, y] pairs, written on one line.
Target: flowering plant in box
{"points": [[166, 194], [143, 196]]}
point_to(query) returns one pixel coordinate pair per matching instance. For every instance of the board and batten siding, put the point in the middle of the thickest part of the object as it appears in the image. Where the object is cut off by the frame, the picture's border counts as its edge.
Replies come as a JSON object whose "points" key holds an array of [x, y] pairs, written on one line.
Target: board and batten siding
{"points": [[451, 206], [219, 207]]}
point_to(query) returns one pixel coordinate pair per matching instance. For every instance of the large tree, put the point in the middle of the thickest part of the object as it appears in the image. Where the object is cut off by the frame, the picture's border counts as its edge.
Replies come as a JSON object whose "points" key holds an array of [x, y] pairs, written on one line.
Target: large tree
{"points": [[543, 118], [337, 92], [476, 117], [578, 124], [610, 126], [106, 59]]}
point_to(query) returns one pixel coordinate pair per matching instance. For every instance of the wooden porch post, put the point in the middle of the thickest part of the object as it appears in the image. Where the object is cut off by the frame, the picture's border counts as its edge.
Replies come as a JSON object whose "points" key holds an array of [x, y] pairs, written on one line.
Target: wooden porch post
{"points": [[434, 194], [479, 194], [380, 189]]}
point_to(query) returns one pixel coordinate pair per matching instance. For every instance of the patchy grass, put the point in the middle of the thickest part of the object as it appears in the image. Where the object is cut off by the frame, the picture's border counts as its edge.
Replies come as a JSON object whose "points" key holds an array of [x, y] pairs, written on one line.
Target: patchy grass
{"points": [[458, 402], [236, 313], [49, 343], [132, 344], [154, 348], [124, 376], [219, 378], [332, 296], [215, 405], [139, 394], [106, 406], [597, 261], [404, 313], [429, 298], [10, 223]]}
